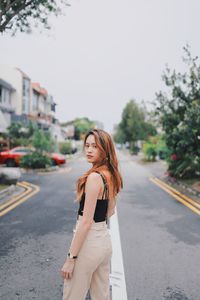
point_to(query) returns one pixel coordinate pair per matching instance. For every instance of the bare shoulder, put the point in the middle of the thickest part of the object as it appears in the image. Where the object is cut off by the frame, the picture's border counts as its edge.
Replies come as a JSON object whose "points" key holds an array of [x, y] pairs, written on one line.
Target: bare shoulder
{"points": [[93, 180], [93, 177]]}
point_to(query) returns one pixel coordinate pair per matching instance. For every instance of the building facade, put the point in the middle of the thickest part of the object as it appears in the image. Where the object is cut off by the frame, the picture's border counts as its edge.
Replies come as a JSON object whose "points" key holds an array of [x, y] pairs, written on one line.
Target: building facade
{"points": [[42, 106], [22, 84], [6, 105]]}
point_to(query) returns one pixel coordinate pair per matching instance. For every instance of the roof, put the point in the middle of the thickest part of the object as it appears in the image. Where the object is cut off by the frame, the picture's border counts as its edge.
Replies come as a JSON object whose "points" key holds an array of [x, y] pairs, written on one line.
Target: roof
{"points": [[36, 86], [23, 74], [6, 85]]}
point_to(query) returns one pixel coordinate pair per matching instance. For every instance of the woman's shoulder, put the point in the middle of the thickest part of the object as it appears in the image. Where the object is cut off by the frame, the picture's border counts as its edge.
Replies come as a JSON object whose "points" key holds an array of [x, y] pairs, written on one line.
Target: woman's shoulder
{"points": [[93, 176], [93, 180]]}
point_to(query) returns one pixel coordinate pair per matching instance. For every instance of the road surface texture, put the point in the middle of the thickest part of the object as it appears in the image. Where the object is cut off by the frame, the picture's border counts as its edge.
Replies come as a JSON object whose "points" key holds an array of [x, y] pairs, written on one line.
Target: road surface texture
{"points": [[160, 238]]}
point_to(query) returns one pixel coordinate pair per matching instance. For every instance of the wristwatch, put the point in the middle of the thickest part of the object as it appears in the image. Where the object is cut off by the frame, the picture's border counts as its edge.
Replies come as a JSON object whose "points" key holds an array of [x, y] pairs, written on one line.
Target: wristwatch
{"points": [[72, 256]]}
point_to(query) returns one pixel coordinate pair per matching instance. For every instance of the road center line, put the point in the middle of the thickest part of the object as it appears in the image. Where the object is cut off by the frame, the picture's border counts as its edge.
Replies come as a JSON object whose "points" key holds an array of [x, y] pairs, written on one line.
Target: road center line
{"points": [[117, 276]]}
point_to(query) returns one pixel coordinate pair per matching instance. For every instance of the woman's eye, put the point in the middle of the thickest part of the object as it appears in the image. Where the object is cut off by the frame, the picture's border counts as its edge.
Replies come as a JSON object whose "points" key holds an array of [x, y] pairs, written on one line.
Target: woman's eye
{"points": [[94, 146]]}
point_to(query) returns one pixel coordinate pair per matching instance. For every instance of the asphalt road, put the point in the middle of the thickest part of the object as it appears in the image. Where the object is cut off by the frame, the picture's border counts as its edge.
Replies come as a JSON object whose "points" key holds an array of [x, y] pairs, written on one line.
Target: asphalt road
{"points": [[160, 238]]}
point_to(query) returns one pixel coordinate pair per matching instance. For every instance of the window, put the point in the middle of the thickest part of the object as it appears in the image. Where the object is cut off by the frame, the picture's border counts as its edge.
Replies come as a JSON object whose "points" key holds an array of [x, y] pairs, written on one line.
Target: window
{"points": [[22, 150], [0, 94], [26, 95], [7, 97]]}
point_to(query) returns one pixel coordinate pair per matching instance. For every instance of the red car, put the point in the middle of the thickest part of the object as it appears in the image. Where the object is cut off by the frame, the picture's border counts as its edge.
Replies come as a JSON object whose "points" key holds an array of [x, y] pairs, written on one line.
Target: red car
{"points": [[12, 157]]}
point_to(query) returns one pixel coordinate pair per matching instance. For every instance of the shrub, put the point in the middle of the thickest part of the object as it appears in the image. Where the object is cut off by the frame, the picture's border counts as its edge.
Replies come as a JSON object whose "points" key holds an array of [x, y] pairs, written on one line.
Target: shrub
{"points": [[66, 147], [189, 167], [161, 148], [149, 150], [43, 141], [35, 160]]}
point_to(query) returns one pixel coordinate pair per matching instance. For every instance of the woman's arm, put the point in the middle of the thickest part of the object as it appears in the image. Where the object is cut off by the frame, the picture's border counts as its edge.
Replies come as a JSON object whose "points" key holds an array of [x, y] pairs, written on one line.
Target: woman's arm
{"points": [[111, 207], [92, 188]]}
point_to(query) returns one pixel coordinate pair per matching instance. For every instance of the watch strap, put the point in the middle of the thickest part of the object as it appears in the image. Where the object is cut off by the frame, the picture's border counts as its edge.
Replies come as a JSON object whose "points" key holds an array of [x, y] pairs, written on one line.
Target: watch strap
{"points": [[72, 256]]}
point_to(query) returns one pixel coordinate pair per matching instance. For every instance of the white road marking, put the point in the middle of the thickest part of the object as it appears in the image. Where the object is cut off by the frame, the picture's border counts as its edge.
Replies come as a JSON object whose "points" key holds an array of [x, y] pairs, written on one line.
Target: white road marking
{"points": [[117, 276]]}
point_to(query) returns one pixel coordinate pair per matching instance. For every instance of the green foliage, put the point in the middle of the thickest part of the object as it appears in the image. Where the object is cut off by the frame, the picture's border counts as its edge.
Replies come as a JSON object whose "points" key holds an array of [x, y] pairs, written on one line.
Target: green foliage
{"points": [[21, 14], [20, 134], [179, 112], [35, 160], [133, 126], [161, 148], [149, 150], [66, 147], [82, 126], [155, 146], [119, 136], [43, 141]]}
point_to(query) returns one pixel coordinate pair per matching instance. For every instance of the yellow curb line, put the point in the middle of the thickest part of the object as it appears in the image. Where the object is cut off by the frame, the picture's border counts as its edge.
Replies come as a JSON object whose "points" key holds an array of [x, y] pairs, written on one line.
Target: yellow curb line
{"points": [[167, 188], [193, 202], [37, 189], [14, 199]]}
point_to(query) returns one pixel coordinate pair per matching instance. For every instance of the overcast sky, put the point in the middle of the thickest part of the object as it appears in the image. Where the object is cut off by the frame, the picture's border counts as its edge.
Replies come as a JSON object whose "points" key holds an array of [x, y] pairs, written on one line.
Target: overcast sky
{"points": [[103, 53]]}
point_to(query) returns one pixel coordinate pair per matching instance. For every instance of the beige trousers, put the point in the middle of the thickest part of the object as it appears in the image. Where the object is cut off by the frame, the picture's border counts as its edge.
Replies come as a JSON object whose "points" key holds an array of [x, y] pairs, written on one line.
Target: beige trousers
{"points": [[92, 267]]}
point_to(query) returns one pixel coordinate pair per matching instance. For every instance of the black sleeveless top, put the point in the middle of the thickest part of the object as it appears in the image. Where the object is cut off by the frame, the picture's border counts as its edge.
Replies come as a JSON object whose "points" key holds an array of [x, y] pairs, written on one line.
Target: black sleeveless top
{"points": [[101, 206]]}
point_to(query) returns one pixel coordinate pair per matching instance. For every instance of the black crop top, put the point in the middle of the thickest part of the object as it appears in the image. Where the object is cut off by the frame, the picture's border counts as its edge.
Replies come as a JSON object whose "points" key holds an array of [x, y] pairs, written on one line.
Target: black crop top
{"points": [[101, 206]]}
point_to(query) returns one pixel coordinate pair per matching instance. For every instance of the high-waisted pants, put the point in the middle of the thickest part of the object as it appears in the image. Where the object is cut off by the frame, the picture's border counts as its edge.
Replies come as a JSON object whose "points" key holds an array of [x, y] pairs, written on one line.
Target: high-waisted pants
{"points": [[92, 267]]}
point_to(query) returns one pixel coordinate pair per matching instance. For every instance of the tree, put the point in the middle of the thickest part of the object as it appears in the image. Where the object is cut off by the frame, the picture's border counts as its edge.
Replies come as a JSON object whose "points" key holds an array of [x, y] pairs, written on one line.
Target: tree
{"points": [[133, 126], [82, 126], [19, 14], [179, 113], [43, 141], [20, 134]]}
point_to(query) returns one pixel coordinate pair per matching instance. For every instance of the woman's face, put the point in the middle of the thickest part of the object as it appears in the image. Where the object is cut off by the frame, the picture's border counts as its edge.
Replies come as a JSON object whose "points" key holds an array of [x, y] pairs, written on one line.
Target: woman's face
{"points": [[91, 151]]}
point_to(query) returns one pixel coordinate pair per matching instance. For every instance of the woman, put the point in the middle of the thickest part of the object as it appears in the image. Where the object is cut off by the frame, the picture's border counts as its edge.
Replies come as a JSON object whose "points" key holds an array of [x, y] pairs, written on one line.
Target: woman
{"points": [[88, 264]]}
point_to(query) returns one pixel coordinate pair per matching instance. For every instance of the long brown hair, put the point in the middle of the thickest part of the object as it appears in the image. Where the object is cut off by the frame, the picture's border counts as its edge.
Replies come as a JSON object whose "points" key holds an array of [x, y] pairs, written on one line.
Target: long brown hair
{"points": [[108, 161]]}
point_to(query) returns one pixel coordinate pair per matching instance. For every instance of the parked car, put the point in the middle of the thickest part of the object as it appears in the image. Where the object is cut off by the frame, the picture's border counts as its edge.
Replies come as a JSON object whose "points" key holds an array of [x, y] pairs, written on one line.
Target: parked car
{"points": [[58, 159], [12, 157]]}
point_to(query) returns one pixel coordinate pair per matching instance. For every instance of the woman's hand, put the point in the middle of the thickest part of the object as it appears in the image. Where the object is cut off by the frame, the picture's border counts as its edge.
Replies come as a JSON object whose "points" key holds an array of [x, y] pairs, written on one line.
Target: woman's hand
{"points": [[67, 269]]}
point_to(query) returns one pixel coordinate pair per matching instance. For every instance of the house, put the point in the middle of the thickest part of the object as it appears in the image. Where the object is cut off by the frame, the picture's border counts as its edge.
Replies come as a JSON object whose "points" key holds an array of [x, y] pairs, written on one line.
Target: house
{"points": [[42, 107], [22, 100], [22, 84], [6, 105]]}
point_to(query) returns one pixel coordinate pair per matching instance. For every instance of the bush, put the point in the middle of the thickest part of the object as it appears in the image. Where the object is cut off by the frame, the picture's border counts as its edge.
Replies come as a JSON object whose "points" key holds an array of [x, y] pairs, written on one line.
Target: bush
{"points": [[43, 141], [149, 150], [35, 160], [161, 149], [134, 149], [155, 146], [66, 148], [189, 167]]}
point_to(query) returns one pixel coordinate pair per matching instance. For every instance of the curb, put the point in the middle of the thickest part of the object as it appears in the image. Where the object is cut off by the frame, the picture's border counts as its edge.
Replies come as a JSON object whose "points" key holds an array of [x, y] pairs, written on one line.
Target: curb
{"points": [[33, 171], [171, 181], [11, 189], [52, 168], [29, 190], [190, 203], [185, 187]]}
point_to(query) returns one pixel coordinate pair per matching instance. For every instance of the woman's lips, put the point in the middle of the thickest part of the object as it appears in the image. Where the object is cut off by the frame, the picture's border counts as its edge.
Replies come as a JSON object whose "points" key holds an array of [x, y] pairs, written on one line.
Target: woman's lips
{"points": [[89, 156]]}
